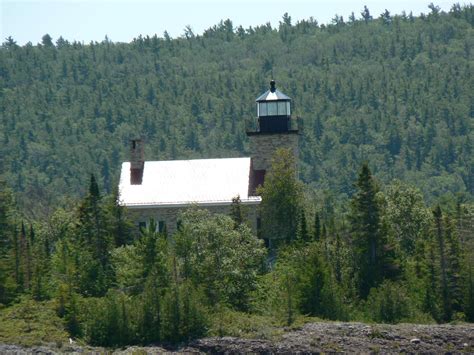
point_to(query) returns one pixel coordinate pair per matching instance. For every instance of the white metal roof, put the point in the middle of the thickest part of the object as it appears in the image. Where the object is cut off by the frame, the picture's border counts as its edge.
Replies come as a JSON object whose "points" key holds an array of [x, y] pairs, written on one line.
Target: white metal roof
{"points": [[272, 95], [184, 182]]}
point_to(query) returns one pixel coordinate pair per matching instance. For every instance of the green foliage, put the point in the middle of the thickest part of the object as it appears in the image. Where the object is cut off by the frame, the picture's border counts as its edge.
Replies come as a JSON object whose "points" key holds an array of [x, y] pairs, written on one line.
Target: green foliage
{"points": [[277, 295], [184, 314], [300, 283], [320, 294], [406, 215], [245, 325], [281, 200], [302, 233], [388, 303], [8, 246], [372, 251], [95, 243], [238, 212], [394, 91], [107, 320], [222, 259], [317, 227], [469, 294], [30, 323], [68, 308]]}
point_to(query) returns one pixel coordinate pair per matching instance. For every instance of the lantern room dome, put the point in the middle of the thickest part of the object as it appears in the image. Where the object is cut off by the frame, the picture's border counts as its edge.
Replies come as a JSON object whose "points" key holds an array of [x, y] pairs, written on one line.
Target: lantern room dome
{"points": [[272, 94]]}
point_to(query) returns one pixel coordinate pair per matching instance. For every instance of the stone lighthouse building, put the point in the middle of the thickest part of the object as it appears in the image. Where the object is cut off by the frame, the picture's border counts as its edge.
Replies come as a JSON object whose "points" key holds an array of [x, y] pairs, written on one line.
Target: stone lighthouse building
{"points": [[274, 129], [161, 190]]}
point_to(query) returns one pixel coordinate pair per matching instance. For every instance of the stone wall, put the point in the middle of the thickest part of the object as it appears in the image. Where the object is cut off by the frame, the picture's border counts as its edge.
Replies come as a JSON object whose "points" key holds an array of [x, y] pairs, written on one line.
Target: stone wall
{"points": [[264, 145], [169, 215]]}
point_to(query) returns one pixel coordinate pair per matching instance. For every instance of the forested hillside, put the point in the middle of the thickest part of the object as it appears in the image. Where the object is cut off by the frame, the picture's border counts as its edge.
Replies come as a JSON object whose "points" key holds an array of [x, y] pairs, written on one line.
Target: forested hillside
{"points": [[380, 230], [396, 91]]}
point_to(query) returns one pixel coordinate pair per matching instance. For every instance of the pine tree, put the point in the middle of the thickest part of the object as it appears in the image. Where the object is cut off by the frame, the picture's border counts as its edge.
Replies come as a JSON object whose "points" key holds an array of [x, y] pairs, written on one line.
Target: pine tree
{"points": [[367, 235], [24, 259], [446, 310], [303, 234], [431, 289], [119, 226], [454, 265], [338, 258], [9, 262], [150, 323], [18, 270], [468, 304], [95, 243], [317, 227]]}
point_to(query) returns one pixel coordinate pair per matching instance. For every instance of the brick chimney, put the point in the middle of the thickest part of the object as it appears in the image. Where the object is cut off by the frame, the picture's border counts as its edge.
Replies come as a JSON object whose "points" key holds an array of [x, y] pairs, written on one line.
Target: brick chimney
{"points": [[137, 162]]}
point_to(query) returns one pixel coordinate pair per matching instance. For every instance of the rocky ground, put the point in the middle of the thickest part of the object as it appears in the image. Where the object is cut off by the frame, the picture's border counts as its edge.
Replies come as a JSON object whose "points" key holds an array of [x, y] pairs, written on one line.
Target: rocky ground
{"points": [[313, 338]]}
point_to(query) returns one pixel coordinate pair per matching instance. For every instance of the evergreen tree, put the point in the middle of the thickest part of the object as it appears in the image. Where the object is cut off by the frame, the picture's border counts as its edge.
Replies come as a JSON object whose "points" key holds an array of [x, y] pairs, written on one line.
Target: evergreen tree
{"points": [[366, 14], [281, 200], [303, 234], [468, 304], [119, 226], [368, 238], [317, 227], [454, 264], [94, 244], [150, 323], [8, 245], [446, 310], [431, 300]]}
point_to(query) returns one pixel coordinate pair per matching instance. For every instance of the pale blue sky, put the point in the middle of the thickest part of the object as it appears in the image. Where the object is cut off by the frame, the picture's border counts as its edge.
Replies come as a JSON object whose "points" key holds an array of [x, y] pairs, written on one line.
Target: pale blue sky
{"points": [[121, 20]]}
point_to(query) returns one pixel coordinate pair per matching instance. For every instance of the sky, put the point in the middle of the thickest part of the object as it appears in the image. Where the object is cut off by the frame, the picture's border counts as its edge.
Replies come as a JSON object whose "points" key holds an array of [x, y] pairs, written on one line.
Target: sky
{"points": [[123, 20]]}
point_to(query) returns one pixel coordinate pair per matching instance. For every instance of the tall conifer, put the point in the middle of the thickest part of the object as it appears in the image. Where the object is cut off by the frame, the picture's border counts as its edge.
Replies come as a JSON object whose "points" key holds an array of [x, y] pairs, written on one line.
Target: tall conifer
{"points": [[368, 238]]}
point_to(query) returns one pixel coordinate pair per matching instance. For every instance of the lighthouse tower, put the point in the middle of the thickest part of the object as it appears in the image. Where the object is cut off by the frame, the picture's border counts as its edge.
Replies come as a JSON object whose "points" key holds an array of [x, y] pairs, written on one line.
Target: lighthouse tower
{"points": [[274, 129]]}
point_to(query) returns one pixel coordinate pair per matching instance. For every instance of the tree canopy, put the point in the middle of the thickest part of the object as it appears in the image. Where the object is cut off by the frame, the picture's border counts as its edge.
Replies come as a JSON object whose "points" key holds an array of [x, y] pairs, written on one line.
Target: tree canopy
{"points": [[395, 90]]}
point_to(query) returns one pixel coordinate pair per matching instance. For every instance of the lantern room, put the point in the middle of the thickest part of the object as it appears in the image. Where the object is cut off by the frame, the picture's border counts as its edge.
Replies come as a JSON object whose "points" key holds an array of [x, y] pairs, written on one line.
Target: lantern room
{"points": [[273, 111]]}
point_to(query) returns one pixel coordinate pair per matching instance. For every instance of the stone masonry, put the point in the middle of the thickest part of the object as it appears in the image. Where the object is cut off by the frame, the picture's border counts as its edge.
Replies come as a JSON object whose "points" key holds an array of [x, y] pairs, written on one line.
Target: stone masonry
{"points": [[264, 145], [170, 215]]}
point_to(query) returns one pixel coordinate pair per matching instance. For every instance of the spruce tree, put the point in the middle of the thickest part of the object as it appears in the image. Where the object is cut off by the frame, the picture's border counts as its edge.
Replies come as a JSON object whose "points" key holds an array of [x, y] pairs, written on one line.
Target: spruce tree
{"points": [[446, 310], [317, 227], [454, 267], [119, 226], [367, 235], [95, 243], [303, 234], [468, 304], [431, 300], [8, 245]]}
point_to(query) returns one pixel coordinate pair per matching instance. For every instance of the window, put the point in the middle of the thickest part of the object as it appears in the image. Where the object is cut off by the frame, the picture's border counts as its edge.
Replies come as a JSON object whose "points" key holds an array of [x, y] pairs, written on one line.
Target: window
{"points": [[272, 109], [161, 226], [282, 108], [288, 112], [141, 225], [263, 109]]}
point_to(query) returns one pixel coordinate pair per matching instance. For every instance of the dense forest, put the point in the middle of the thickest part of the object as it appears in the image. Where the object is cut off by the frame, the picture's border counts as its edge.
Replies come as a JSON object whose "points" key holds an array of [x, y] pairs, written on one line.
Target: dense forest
{"points": [[380, 227], [396, 91]]}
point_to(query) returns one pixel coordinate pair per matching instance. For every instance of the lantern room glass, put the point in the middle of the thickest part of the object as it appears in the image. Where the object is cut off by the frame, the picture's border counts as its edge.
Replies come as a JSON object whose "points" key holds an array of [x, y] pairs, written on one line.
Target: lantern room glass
{"points": [[272, 109], [275, 108]]}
